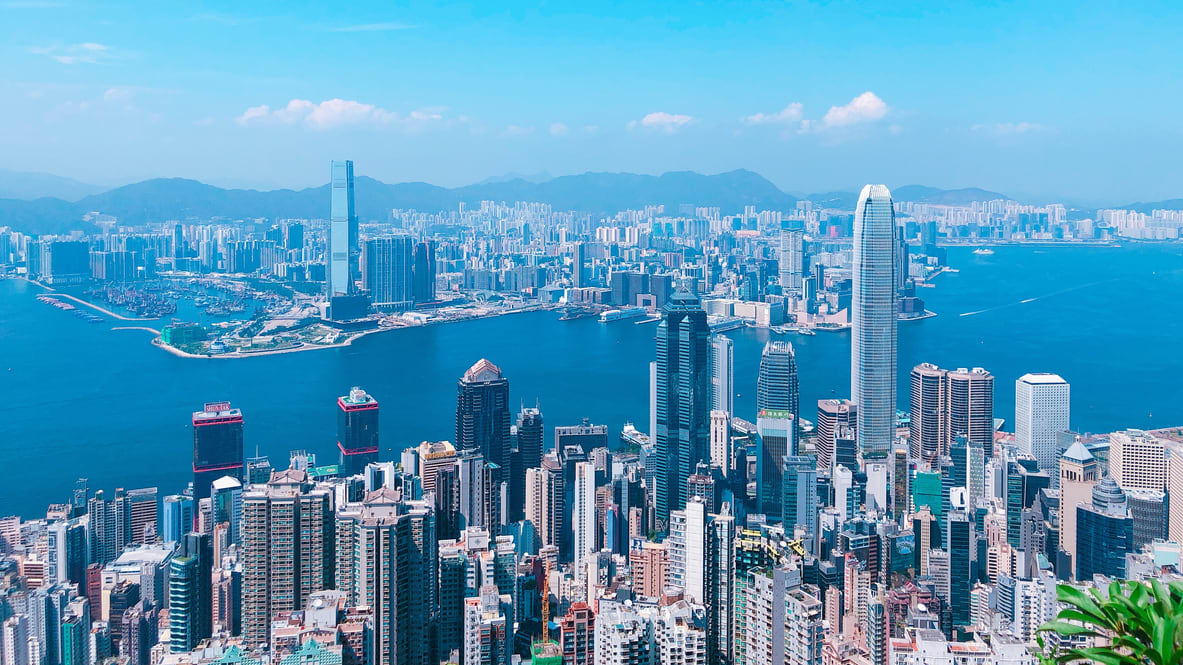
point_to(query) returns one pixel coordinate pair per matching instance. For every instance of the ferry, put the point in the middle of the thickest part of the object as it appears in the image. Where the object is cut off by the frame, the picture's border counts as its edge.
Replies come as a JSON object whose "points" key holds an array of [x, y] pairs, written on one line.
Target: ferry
{"points": [[983, 251], [622, 314]]}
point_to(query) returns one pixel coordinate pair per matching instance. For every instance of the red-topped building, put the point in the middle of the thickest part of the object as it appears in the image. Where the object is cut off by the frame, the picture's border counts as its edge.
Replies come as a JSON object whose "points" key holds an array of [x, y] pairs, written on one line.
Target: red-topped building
{"points": [[357, 431], [217, 446]]}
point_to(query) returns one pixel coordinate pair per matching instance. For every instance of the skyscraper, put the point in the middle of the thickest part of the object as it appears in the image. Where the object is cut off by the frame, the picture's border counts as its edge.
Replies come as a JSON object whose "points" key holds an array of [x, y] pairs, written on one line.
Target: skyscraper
{"points": [[1041, 413], [357, 430], [217, 446], [683, 400], [287, 549], [792, 255], [833, 416], [1137, 460], [530, 437], [970, 396], [386, 549], [424, 272], [776, 439], [722, 374], [482, 413], [584, 511], [721, 441], [190, 607], [873, 320], [1079, 474], [1104, 533], [776, 384], [928, 437], [342, 252], [389, 273]]}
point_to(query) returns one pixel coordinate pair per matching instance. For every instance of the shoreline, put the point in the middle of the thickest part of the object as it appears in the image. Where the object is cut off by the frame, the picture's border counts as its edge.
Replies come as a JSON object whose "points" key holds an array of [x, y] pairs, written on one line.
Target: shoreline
{"points": [[337, 345], [80, 301]]}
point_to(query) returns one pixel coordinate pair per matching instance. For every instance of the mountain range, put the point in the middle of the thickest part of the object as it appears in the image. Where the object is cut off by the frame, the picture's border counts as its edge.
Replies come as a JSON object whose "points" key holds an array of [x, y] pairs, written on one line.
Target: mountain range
{"points": [[164, 199]]}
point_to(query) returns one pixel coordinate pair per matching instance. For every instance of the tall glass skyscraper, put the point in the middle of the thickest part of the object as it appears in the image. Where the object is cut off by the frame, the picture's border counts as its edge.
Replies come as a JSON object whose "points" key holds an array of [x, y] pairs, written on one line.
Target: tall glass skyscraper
{"points": [[389, 273], [683, 400], [483, 419], [873, 317], [776, 385], [342, 253]]}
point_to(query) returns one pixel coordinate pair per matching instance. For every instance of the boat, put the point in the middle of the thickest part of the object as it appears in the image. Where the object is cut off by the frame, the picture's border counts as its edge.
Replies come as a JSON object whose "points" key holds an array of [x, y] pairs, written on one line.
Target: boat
{"points": [[983, 251], [622, 314]]}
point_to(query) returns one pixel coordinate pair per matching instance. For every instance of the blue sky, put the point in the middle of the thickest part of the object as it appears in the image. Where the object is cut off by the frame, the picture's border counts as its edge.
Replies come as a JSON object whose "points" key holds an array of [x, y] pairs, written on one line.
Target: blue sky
{"points": [[1080, 101]]}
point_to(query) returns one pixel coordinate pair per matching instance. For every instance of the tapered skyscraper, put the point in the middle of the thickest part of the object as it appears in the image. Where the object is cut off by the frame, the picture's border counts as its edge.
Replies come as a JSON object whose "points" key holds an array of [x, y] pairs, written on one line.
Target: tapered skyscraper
{"points": [[873, 318], [342, 254], [683, 399], [776, 385]]}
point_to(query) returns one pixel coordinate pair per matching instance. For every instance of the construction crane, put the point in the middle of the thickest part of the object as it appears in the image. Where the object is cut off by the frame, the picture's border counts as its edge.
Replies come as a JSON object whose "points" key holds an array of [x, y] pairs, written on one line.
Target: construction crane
{"points": [[546, 603]]}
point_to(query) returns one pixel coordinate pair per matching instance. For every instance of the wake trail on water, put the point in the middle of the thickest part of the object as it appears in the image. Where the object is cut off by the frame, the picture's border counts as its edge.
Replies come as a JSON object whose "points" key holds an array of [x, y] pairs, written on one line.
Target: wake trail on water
{"points": [[1046, 295]]}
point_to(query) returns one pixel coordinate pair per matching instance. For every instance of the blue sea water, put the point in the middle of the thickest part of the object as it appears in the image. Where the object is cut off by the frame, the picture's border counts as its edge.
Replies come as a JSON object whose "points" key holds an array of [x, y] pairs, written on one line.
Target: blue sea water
{"points": [[82, 400]]}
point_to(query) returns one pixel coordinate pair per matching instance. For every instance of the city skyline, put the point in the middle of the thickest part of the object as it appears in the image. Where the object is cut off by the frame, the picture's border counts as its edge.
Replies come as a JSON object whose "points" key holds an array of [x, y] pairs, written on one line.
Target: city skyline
{"points": [[673, 94]]}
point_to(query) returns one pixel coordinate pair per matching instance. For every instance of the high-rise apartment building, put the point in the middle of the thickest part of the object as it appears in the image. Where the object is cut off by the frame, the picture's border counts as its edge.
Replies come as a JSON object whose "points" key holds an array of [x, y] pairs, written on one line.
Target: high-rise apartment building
{"points": [[424, 272], [721, 441], [357, 431], [583, 514], [873, 321], [217, 446], [683, 400], [928, 436], [287, 549], [970, 400], [544, 501], [190, 606], [1041, 413], [386, 549]]}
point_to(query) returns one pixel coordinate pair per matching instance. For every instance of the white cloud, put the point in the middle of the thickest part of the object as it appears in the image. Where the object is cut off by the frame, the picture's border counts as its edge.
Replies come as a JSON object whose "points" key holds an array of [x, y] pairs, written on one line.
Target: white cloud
{"points": [[788, 115], [373, 27], [516, 130], [334, 113], [1008, 128], [865, 108], [117, 94], [662, 121], [559, 129], [74, 54]]}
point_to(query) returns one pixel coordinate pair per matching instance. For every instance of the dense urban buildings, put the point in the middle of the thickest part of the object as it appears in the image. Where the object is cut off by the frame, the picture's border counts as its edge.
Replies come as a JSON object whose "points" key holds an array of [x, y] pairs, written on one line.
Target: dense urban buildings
{"points": [[880, 534]]}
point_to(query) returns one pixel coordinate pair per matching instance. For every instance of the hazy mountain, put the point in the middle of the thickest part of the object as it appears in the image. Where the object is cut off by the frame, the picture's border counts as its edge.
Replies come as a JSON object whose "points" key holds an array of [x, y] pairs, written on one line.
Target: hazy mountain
{"points": [[1150, 206], [27, 185], [922, 194], [541, 176], [915, 193], [165, 199]]}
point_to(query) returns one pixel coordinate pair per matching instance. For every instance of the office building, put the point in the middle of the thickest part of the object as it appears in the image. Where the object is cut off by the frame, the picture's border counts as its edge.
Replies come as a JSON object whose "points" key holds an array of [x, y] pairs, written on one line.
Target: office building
{"points": [[389, 273], [1104, 533], [287, 549], [776, 383], [483, 419], [873, 321], [776, 438], [721, 441], [357, 431], [1079, 474], [342, 252], [530, 437], [1041, 413], [217, 446], [722, 374], [833, 416], [176, 517], [142, 516], [585, 436], [424, 272], [1148, 510], [683, 400], [190, 607], [1137, 460]]}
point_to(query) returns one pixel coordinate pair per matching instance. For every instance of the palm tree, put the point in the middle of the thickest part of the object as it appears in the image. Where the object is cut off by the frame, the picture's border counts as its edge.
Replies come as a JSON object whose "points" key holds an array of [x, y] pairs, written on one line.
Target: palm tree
{"points": [[1141, 621]]}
